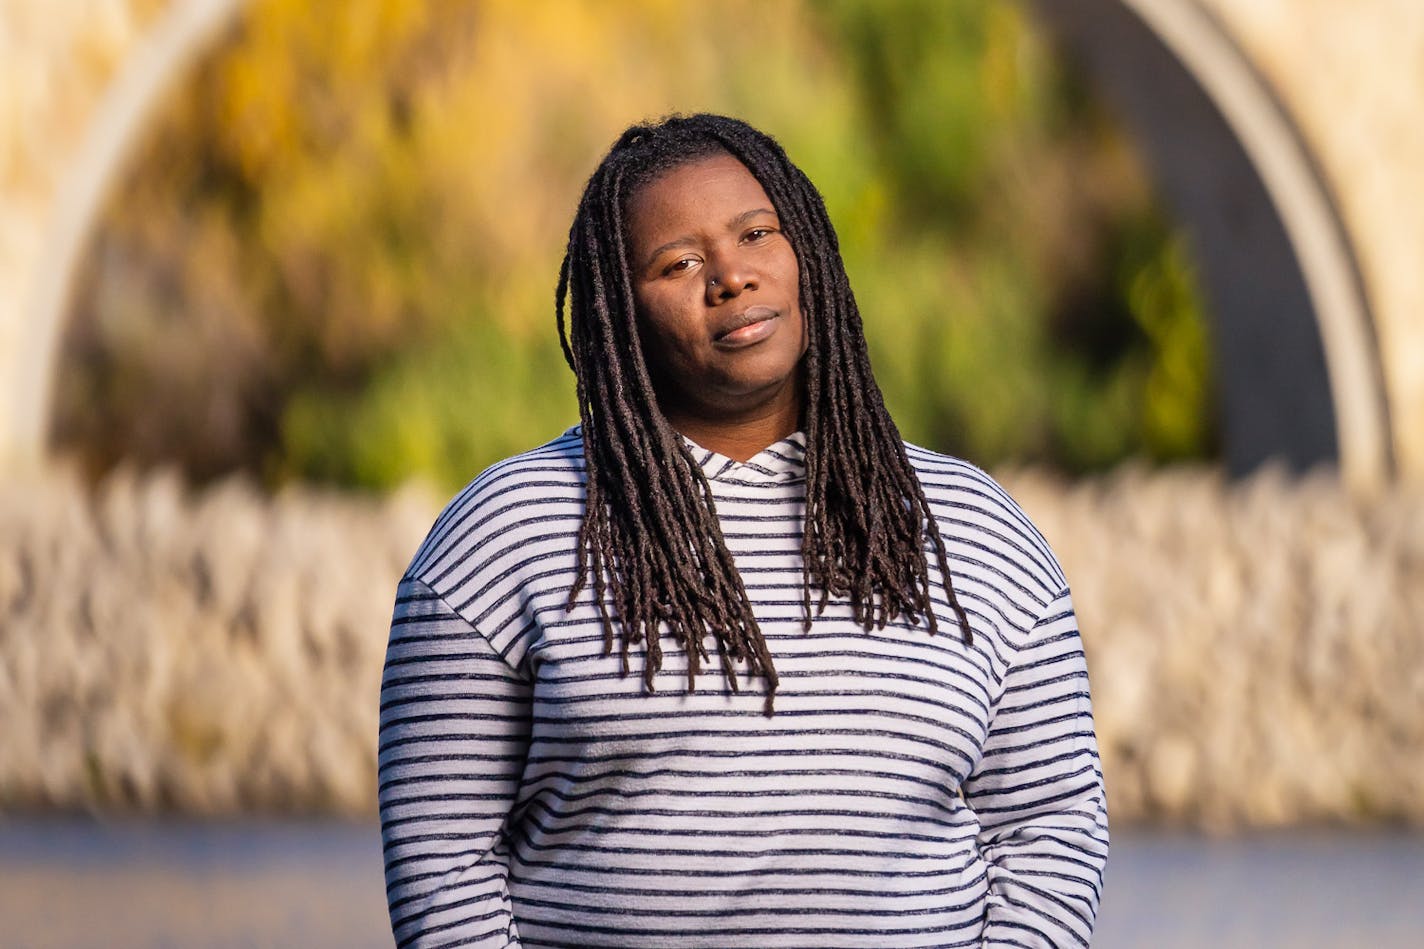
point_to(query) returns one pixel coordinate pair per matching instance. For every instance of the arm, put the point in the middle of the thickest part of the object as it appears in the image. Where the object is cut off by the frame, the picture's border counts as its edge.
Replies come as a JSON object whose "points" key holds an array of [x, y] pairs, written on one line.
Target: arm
{"points": [[454, 735], [1038, 792]]}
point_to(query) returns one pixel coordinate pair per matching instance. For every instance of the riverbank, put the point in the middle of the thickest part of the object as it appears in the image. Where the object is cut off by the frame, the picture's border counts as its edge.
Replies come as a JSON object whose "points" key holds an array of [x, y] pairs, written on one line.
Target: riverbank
{"points": [[1254, 646]]}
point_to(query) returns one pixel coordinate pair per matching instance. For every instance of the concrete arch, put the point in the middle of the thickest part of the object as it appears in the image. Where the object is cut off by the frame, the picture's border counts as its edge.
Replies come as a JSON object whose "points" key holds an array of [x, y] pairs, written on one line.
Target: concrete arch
{"points": [[118, 122], [1299, 366]]}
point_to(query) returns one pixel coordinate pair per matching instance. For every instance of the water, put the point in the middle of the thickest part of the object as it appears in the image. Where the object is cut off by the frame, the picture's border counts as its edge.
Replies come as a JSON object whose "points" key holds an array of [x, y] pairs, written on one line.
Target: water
{"points": [[69, 883], [1305, 891]]}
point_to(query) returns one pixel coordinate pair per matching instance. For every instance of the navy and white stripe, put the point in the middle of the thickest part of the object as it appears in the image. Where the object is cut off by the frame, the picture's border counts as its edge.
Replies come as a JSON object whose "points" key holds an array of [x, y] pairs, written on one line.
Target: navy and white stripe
{"points": [[909, 791]]}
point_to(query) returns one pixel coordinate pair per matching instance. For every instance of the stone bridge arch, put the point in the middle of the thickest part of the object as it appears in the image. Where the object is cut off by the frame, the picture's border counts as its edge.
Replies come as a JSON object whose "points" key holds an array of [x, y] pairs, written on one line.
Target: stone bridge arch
{"points": [[1299, 347], [1298, 364]]}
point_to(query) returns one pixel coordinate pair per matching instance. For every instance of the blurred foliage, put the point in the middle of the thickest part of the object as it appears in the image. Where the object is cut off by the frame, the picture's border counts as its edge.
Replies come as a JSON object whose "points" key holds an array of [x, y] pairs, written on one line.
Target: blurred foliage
{"points": [[334, 256]]}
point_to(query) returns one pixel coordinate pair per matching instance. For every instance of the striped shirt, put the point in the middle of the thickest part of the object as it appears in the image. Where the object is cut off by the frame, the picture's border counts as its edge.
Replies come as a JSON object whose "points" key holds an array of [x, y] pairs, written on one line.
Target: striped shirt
{"points": [[910, 790]]}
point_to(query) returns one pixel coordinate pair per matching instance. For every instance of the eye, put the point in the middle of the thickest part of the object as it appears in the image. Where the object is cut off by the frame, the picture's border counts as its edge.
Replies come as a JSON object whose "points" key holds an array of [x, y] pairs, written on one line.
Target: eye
{"points": [[758, 234], [681, 265]]}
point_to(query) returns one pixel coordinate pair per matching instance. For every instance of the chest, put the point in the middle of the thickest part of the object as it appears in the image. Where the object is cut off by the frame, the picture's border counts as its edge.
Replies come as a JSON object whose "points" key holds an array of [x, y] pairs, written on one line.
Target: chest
{"points": [[851, 706], [852, 709]]}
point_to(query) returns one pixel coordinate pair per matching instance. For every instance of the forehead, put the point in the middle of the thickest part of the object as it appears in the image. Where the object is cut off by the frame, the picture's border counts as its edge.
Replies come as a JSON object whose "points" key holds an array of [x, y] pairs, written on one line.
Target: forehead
{"points": [[706, 193]]}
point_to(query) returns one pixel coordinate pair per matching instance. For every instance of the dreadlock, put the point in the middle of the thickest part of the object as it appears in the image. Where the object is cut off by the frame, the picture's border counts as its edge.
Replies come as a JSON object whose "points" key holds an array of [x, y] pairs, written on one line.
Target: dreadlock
{"points": [[650, 541]]}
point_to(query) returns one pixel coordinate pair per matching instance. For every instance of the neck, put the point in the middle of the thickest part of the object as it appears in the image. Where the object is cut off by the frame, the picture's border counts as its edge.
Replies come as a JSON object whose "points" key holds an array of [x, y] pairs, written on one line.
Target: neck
{"points": [[739, 445], [743, 435]]}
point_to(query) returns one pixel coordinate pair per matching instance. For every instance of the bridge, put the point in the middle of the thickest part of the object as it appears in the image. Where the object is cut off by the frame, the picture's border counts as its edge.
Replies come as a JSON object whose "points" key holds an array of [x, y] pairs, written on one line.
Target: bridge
{"points": [[1283, 135]]}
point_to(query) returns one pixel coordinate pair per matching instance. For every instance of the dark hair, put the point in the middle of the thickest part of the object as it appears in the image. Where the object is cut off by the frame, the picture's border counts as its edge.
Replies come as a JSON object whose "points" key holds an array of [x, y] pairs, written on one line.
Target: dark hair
{"points": [[650, 540]]}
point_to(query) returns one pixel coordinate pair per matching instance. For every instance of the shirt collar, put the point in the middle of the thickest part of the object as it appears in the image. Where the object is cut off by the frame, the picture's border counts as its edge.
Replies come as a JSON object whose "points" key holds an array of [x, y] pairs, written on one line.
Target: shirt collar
{"points": [[781, 461]]}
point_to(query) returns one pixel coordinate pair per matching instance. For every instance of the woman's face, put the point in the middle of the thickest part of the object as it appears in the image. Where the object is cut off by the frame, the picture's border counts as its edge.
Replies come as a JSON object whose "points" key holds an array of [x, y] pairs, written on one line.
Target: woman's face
{"points": [[718, 294]]}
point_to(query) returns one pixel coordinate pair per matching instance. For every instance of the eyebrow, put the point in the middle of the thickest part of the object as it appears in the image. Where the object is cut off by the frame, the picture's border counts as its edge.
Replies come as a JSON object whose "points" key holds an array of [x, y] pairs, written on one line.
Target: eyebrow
{"points": [[732, 225]]}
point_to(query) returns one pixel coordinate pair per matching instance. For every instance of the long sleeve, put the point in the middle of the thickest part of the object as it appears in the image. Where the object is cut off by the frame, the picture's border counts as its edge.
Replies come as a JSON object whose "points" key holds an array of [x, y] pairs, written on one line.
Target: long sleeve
{"points": [[1038, 793], [454, 735]]}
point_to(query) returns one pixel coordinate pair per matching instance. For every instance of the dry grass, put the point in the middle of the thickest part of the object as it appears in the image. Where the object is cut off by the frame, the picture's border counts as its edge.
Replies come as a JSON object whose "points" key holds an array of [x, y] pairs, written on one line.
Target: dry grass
{"points": [[208, 653], [1255, 649]]}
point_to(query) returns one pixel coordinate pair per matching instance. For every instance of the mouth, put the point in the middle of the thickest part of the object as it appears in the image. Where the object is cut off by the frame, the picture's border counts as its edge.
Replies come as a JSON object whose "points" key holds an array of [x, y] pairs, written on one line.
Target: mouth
{"points": [[752, 325]]}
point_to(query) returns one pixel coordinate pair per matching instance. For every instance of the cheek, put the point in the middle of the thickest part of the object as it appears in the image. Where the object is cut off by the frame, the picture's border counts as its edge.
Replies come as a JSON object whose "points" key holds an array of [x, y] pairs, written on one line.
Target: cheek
{"points": [[661, 327], [790, 266]]}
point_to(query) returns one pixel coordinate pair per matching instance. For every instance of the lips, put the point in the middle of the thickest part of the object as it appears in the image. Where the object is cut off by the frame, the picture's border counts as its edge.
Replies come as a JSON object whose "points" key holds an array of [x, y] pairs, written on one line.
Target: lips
{"points": [[749, 326]]}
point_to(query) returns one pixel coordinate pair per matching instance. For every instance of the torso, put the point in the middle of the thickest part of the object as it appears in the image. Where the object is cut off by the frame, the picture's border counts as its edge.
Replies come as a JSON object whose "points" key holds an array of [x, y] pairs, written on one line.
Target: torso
{"points": [[685, 819]]}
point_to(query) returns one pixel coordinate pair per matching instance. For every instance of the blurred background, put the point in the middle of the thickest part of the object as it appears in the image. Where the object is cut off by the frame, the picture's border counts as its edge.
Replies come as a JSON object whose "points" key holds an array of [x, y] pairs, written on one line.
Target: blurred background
{"points": [[276, 278]]}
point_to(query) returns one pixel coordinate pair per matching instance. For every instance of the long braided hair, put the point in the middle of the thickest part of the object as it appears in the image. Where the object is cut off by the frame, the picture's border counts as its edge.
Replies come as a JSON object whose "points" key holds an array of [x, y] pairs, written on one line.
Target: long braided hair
{"points": [[650, 542]]}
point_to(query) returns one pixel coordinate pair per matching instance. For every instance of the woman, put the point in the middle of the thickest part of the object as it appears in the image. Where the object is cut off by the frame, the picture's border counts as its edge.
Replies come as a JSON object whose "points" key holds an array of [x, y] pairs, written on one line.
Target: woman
{"points": [[557, 765]]}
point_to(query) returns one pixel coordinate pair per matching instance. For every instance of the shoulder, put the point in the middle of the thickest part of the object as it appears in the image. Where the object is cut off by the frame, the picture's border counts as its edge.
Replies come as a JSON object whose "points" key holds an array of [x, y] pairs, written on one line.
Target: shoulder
{"points": [[989, 532], [515, 500]]}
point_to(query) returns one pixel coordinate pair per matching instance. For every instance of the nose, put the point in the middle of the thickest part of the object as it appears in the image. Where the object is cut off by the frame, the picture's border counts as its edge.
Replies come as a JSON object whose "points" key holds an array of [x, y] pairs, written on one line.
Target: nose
{"points": [[730, 274]]}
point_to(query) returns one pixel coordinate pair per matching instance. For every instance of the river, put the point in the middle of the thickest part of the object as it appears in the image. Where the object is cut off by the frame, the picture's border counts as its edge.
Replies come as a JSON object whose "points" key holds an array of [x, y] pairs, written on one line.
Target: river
{"points": [[73, 883]]}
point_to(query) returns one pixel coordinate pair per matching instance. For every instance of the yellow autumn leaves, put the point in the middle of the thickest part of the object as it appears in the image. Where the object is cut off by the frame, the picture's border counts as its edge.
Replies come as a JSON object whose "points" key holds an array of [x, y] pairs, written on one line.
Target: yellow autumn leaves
{"points": [[335, 256]]}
